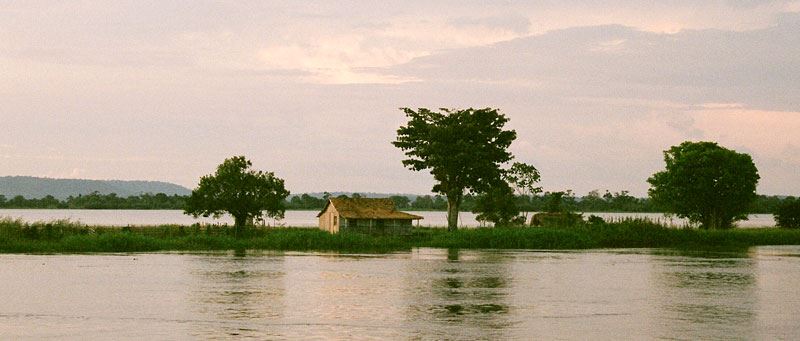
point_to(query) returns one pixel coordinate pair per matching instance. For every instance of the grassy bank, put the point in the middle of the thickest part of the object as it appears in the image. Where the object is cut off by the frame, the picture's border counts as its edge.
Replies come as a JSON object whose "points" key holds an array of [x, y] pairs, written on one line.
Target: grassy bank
{"points": [[69, 237]]}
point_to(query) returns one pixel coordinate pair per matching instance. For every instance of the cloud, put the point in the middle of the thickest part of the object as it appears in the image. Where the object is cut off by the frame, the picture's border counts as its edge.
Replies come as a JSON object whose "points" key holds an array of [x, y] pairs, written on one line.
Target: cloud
{"points": [[336, 42], [595, 90], [515, 23], [339, 60], [769, 136], [595, 106], [769, 133], [759, 68]]}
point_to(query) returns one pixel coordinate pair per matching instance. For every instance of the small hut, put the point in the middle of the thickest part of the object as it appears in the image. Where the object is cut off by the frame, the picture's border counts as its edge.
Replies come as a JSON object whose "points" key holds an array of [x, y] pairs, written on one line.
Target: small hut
{"points": [[366, 215]]}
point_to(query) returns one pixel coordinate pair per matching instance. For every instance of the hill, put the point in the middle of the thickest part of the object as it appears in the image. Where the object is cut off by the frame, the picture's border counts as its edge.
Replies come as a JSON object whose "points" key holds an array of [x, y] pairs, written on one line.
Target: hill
{"points": [[34, 188]]}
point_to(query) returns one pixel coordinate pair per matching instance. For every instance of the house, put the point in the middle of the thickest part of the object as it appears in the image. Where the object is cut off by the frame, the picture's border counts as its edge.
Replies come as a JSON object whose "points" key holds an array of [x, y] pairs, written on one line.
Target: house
{"points": [[366, 215]]}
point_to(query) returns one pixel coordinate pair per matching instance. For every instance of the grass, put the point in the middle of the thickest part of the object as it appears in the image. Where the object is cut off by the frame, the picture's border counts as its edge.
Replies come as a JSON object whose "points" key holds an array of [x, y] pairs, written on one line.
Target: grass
{"points": [[71, 237]]}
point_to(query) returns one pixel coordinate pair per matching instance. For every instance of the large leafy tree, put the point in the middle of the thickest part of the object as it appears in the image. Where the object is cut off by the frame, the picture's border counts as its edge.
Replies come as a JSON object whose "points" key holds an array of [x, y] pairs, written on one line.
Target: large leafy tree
{"points": [[705, 183], [463, 149], [240, 191]]}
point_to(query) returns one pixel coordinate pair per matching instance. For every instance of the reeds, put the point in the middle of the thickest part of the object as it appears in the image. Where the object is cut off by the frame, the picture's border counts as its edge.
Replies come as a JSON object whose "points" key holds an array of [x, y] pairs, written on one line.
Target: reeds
{"points": [[73, 237]]}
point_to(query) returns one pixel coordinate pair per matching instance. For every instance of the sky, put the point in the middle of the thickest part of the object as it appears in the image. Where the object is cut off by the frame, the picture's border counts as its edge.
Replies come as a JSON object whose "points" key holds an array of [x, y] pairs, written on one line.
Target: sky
{"points": [[596, 90]]}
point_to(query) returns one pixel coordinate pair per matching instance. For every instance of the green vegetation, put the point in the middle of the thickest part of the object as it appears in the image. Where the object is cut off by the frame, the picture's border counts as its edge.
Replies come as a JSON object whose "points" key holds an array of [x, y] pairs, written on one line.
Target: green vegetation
{"points": [[523, 178], [96, 200], [245, 193], [705, 183], [463, 149], [70, 237], [498, 206], [788, 213]]}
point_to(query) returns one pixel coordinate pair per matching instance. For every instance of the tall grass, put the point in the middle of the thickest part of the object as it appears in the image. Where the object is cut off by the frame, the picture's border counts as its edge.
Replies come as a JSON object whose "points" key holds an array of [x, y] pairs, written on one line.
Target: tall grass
{"points": [[72, 237]]}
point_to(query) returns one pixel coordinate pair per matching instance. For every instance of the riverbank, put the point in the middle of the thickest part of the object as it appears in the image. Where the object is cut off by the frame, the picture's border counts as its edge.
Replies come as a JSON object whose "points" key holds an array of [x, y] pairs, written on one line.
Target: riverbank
{"points": [[68, 237]]}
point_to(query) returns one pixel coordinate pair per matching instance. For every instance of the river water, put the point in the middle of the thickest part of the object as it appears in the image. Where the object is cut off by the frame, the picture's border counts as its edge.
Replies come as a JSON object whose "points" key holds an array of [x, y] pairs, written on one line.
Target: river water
{"points": [[423, 294], [293, 218]]}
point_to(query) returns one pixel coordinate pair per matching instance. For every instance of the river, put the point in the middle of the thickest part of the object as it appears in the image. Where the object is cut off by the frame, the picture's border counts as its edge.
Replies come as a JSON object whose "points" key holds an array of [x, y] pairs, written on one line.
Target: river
{"points": [[292, 218], [423, 294]]}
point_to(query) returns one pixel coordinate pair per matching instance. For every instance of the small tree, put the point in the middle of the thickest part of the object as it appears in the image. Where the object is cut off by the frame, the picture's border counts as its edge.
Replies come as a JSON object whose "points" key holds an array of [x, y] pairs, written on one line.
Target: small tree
{"points": [[400, 201], [499, 206], [523, 178], [463, 149], [788, 213], [555, 203], [705, 183], [240, 191]]}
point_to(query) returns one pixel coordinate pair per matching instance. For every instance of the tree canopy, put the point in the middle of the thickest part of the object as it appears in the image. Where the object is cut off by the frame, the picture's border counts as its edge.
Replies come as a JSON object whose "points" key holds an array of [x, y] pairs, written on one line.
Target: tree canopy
{"points": [[523, 178], [463, 149], [705, 183], [240, 191]]}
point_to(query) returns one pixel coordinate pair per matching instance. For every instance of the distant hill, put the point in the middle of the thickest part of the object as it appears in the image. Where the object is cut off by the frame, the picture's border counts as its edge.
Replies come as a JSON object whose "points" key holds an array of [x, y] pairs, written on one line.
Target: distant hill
{"points": [[35, 188]]}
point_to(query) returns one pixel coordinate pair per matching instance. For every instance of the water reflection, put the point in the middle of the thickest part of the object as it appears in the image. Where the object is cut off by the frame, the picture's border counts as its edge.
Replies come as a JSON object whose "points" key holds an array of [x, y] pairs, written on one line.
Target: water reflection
{"points": [[424, 294], [459, 294], [234, 291], [708, 296], [778, 297]]}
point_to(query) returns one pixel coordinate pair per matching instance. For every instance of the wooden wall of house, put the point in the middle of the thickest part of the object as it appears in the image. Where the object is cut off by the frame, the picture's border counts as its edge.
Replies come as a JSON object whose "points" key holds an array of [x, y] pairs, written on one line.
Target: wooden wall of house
{"points": [[327, 219], [378, 226]]}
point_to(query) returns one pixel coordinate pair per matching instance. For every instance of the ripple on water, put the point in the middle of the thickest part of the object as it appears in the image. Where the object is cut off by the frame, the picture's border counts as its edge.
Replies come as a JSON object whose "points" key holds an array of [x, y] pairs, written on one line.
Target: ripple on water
{"points": [[427, 293]]}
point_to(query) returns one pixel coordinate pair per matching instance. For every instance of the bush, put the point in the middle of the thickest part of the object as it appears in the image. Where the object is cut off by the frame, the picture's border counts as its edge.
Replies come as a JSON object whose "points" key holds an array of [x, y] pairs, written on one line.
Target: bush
{"points": [[557, 219], [595, 220], [706, 183], [788, 214]]}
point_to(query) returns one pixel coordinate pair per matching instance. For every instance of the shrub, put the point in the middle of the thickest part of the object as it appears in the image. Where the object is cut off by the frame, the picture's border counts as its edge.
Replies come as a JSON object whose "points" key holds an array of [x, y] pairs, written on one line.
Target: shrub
{"points": [[788, 214], [595, 220], [557, 219]]}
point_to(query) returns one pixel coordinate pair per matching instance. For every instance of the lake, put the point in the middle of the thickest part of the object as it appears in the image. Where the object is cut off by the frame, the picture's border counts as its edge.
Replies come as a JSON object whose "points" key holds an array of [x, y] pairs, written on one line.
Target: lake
{"points": [[423, 294], [293, 218]]}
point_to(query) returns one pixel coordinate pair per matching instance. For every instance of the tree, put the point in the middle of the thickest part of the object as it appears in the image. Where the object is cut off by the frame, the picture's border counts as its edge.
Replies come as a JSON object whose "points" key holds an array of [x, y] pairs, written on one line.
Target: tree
{"points": [[593, 202], [623, 202], [423, 202], [400, 201], [242, 192], [463, 149], [555, 203], [499, 206], [788, 213], [705, 183], [523, 178]]}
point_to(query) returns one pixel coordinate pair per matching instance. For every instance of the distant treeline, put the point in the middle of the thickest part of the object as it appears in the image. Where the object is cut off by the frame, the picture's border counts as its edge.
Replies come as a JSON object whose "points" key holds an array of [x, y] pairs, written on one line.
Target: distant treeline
{"points": [[592, 202], [95, 200]]}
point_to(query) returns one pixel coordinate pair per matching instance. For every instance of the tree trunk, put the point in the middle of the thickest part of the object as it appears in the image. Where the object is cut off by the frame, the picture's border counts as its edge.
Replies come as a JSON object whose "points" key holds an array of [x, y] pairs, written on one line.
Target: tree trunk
{"points": [[453, 203], [716, 220], [240, 221]]}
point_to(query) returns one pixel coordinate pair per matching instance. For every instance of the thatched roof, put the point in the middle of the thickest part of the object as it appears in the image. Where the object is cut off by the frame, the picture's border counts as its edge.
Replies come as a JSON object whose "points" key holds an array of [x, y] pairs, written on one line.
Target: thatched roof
{"points": [[367, 208]]}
